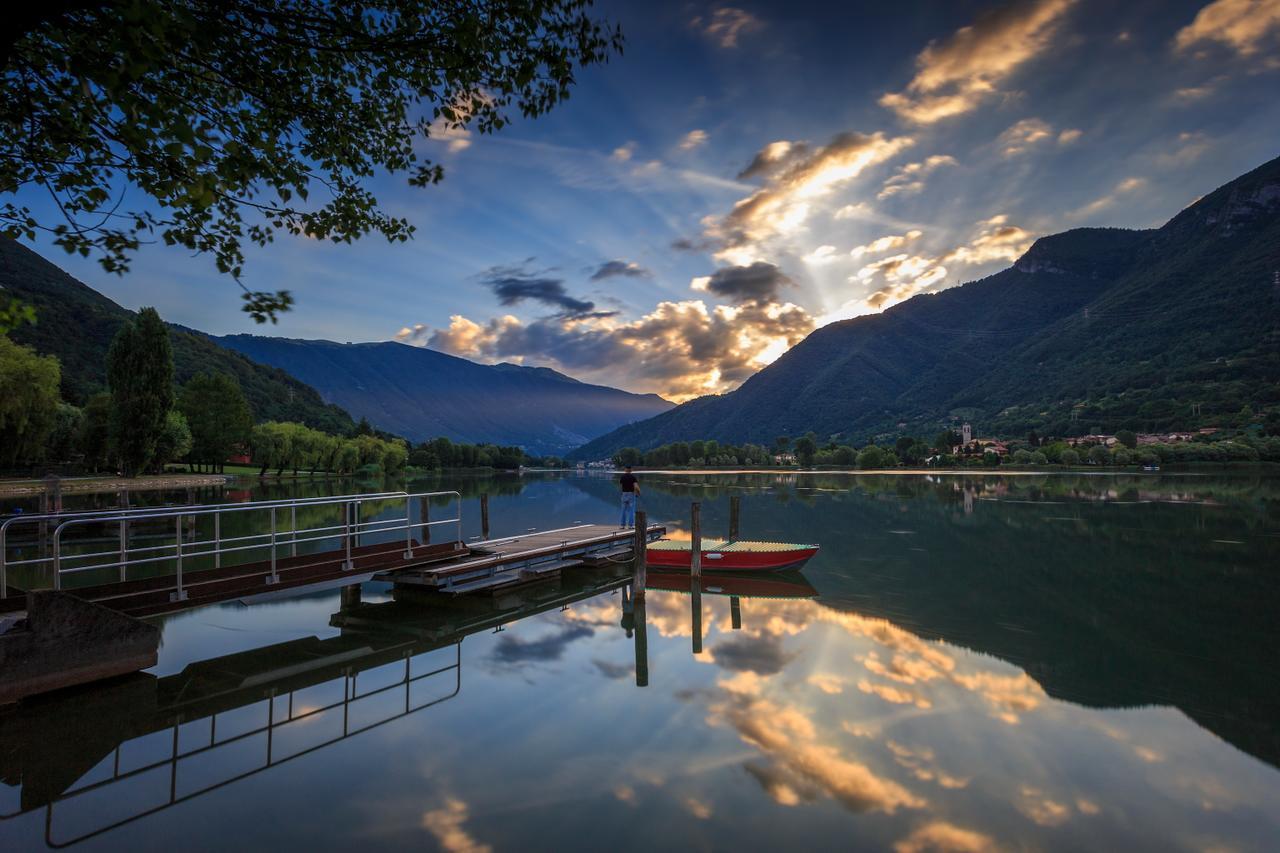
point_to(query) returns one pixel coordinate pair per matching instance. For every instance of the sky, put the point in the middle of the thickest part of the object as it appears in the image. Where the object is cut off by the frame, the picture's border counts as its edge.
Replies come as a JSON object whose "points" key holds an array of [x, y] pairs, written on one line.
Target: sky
{"points": [[746, 173]]}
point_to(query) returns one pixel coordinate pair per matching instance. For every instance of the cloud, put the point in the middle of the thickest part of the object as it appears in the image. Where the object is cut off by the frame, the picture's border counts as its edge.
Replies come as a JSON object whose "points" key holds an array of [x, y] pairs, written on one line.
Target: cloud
{"points": [[611, 670], [1022, 135], [620, 269], [827, 683], [773, 157], [446, 824], [623, 153], [762, 655], [884, 244], [1243, 25], [906, 275], [942, 837], [692, 140], [515, 284], [511, 649], [910, 178], [1069, 136], [698, 808], [955, 75], [726, 24], [757, 283], [920, 761], [1124, 187], [1040, 809], [680, 349], [794, 181], [800, 762]]}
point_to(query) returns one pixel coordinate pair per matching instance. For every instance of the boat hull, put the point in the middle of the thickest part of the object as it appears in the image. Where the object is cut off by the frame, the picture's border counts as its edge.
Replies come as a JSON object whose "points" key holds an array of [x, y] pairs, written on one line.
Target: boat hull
{"points": [[741, 584], [732, 561]]}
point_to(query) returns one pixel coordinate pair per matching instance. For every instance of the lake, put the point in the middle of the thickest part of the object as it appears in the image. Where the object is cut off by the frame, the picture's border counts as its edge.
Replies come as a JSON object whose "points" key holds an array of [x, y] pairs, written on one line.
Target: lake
{"points": [[972, 662]]}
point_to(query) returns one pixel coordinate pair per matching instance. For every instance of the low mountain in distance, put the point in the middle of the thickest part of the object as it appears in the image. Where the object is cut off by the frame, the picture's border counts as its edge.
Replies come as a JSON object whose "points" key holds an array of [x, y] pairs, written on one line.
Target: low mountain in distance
{"points": [[76, 323], [1091, 329], [421, 394]]}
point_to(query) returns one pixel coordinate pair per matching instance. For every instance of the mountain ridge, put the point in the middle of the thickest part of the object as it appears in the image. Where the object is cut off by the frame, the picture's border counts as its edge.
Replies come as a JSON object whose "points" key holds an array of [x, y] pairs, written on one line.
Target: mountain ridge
{"points": [[422, 393], [1083, 320]]}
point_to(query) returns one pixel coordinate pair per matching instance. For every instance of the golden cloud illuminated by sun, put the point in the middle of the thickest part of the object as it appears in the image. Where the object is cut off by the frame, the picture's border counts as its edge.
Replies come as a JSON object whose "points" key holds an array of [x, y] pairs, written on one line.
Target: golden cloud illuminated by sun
{"points": [[1243, 25]]}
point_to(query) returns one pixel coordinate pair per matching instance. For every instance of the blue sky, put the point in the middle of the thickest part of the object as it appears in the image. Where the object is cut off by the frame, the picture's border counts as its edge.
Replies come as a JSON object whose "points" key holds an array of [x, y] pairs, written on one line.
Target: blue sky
{"points": [[898, 148]]}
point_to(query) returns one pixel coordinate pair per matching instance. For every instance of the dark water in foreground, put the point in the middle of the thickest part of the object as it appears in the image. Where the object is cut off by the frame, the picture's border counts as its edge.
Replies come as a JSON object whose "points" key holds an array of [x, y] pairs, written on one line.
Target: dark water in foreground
{"points": [[971, 663]]}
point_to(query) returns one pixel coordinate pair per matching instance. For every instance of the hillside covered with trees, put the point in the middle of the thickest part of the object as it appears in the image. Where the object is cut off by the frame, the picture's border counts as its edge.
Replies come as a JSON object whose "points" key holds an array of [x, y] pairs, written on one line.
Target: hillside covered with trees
{"points": [[1092, 330]]}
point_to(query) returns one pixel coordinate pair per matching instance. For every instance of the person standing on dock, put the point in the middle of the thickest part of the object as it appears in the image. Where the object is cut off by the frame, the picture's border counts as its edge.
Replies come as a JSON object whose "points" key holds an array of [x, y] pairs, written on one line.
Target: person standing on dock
{"points": [[630, 492]]}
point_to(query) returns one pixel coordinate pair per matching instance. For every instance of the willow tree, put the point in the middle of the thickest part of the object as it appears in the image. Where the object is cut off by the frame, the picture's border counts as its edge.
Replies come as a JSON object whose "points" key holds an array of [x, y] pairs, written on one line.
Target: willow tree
{"points": [[140, 377], [211, 122], [28, 402]]}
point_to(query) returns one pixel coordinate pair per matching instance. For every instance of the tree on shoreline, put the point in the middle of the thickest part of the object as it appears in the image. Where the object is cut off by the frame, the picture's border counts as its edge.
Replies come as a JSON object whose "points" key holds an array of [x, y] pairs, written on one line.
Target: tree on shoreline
{"points": [[226, 115], [28, 401], [140, 376], [219, 417]]}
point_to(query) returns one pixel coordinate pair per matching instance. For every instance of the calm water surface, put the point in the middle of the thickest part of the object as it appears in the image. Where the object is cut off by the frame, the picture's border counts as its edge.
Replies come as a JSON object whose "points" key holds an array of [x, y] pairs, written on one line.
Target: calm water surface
{"points": [[1047, 662]]}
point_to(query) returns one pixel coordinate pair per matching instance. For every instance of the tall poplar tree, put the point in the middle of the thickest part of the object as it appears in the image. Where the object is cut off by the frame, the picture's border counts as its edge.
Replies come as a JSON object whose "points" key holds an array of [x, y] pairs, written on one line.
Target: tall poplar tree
{"points": [[140, 376]]}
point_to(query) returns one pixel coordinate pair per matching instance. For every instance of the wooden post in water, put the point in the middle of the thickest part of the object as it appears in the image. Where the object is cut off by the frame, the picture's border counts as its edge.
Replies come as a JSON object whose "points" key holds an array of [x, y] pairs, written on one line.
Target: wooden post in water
{"points": [[484, 516], [735, 612], [350, 597], [735, 511], [638, 581], [641, 551], [641, 637], [695, 576], [424, 512]]}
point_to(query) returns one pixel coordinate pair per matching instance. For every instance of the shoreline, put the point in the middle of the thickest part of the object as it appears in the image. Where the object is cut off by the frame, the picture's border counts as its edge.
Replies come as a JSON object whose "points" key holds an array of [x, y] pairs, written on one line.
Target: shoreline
{"points": [[82, 485]]}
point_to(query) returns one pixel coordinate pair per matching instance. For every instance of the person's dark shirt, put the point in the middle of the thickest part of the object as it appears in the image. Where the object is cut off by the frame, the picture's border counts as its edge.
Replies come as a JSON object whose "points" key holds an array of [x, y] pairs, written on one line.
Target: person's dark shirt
{"points": [[628, 482]]}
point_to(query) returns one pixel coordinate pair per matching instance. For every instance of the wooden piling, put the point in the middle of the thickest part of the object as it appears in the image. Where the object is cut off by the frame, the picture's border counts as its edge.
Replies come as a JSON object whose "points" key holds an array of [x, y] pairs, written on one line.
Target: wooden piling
{"points": [[350, 597], [641, 637], [735, 511], [484, 516], [695, 547], [424, 512], [641, 551], [735, 612]]}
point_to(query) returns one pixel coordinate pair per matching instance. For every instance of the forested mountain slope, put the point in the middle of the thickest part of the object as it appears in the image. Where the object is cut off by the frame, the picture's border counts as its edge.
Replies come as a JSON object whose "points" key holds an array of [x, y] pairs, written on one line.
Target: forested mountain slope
{"points": [[76, 324], [420, 393], [1092, 328]]}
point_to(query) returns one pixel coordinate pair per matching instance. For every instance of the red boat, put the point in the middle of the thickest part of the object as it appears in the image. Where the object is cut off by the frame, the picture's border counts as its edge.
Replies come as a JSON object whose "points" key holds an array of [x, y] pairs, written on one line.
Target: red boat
{"points": [[735, 556]]}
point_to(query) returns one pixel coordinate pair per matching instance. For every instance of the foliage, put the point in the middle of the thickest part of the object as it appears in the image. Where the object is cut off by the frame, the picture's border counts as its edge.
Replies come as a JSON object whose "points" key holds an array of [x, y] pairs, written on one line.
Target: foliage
{"points": [[297, 447], [1098, 455], [872, 457], [1127, 437], [63, 442], [94, 438], [805, 448], [28, 402], [221, 110], [14, 312], [1069, 457], [140, 376], [219, 416], [174, 440]]}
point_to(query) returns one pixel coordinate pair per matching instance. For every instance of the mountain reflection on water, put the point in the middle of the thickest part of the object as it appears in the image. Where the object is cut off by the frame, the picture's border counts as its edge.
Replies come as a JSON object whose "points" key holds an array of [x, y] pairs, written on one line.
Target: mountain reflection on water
{"points": [[970, 663]]}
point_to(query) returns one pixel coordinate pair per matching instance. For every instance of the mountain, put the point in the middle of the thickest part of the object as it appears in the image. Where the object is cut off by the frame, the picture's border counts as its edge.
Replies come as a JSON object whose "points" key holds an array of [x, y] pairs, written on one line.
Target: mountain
{"points": [[76, 324], [1095, 328], [420, 393]]}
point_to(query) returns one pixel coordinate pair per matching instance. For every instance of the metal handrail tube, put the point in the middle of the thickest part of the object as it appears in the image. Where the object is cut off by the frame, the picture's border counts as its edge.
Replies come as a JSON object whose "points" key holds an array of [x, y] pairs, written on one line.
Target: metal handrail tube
{"points": [[130, 512], [374, 526]]}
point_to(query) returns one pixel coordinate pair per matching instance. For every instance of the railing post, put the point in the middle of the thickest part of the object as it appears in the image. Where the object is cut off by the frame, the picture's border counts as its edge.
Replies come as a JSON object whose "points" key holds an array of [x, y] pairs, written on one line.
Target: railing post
{"points": [[124, 548], [346, 520], [57, 557], [408, 525], [181, 594], [293, 530], [217, 540], [424, 510], [274, 577]]}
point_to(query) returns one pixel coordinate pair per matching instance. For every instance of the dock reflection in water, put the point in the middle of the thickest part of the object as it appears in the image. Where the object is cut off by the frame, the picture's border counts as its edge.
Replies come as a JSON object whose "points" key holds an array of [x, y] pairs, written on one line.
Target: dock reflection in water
{"points": [[993, 663]]}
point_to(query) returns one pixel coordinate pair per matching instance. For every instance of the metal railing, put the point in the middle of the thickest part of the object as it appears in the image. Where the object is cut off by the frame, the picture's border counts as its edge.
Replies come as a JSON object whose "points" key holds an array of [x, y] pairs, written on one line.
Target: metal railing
{"points": [[56, 518], [183, 549], [270, 727]]}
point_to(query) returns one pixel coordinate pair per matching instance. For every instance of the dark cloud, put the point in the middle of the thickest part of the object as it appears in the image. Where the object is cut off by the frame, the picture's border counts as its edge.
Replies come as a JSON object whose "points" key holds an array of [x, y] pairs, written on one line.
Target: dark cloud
{"points": [[773, 157], [758, 283], [761, 655], [684, 244], [620, 269], [613, 670], [511, 649], [513, 285]]}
